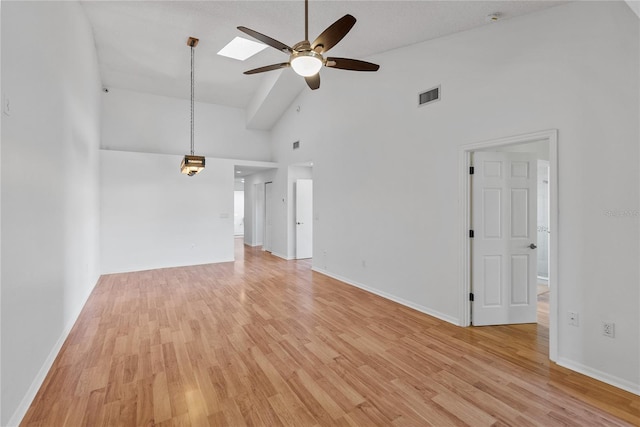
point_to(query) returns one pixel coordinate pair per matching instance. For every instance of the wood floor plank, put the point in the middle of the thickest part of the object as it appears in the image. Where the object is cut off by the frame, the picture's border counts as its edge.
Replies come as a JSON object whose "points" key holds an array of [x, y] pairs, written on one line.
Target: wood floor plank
{"points": [[266, 342]]}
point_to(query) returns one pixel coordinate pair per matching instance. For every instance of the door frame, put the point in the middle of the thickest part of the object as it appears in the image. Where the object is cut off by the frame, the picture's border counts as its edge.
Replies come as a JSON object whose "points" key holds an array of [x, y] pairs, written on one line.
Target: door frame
{"points": [[464, 156]]}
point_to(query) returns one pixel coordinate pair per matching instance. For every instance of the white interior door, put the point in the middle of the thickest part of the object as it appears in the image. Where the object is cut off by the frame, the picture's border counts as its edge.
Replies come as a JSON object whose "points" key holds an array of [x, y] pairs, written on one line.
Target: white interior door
{"points": [[268, 221], [503, 255], [304, 218]]}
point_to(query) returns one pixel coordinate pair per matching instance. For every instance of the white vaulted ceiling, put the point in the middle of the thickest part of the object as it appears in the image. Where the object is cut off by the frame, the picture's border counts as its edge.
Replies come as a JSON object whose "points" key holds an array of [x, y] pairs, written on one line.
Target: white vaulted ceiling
{"points": [[141, 45]]}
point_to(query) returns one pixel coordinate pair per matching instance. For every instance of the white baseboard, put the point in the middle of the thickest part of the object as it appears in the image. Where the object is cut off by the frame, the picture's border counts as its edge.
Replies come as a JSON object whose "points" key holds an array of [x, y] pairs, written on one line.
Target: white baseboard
{"points": [[162, 267], [26, 401], [620, 383], [574, 366], [393, 298], [282, 256]]}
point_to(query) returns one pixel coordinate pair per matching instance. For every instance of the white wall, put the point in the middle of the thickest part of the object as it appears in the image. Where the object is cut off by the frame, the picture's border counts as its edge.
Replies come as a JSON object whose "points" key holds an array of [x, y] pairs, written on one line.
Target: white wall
{"points": [[134, 121], [386, 178], [152, 216], [145, 222], [254, 227], [280, 204], [49, 192]]}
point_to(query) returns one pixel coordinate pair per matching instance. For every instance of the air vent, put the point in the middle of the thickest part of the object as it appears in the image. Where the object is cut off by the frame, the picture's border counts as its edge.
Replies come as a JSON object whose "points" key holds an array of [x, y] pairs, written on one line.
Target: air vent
{"points": [[429, 96], [296, 145]]}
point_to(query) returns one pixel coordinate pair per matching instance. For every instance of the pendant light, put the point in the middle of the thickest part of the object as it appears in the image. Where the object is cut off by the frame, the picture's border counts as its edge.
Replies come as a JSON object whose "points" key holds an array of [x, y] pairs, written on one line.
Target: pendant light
{"points": [[192, 164]]}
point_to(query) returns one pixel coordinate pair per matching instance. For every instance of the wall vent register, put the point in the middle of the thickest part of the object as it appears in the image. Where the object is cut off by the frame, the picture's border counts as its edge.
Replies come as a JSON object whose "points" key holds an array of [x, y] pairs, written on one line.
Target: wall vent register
{"points": [[429, 96]]}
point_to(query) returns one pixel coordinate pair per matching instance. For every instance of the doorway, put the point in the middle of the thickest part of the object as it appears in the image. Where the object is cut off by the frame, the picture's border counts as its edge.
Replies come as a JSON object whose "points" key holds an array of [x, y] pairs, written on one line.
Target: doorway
{"points": [[258, 215], [300, 210], [304, 218], [516, 143], [543, 222], [238, 212], [268, 220]]}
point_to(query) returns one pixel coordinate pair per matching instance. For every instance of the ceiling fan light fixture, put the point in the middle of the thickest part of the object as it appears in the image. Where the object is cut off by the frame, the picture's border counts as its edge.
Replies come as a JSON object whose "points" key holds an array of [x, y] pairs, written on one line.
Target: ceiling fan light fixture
{"points": [[306, 58], [306, 63]]}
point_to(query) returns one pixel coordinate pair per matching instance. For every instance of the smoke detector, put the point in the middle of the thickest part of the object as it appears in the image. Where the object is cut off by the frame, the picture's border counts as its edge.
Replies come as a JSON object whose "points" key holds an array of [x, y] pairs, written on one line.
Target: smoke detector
{"points": [[493, 17]]}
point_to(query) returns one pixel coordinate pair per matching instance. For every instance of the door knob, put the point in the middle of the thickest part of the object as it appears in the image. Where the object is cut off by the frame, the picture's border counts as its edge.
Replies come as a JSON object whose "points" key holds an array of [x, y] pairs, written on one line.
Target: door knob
{"points": [[532, 246], [299, 223]]}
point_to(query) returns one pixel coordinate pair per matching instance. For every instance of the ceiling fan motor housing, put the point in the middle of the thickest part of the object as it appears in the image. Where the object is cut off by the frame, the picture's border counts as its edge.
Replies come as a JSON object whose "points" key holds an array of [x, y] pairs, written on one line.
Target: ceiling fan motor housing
{"points": [[305, 61]]}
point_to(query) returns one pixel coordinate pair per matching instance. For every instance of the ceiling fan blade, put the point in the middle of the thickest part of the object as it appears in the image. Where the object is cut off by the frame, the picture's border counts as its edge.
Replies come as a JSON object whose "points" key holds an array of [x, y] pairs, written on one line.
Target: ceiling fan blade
{"points": [[266, 40], [313, 81], [268, 68], [333, 34], [351, 64]]}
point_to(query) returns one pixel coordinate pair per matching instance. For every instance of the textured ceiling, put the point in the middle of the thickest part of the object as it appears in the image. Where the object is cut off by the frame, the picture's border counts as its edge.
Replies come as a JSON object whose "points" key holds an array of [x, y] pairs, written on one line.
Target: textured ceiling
{"points": [[142, 44]]}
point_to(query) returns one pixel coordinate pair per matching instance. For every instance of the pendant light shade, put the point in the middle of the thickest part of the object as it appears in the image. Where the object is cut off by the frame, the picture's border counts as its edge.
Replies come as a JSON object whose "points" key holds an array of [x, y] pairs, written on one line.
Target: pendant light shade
{"points": [[192, 164]]}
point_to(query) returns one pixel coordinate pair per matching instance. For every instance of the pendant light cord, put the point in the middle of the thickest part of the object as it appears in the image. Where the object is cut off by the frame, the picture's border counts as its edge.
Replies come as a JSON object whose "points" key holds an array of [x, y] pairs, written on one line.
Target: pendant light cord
{"points": [[192, 90]]}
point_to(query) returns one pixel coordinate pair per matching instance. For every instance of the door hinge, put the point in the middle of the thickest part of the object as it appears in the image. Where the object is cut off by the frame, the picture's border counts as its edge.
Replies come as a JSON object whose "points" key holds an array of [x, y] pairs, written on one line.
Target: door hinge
{"points": [[471, 296], [471, 170], [471, 234]]}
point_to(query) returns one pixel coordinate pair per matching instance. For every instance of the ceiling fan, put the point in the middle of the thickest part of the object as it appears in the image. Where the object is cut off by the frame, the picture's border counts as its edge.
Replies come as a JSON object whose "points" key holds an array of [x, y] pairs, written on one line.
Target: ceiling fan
{"points": [[307, 58]]}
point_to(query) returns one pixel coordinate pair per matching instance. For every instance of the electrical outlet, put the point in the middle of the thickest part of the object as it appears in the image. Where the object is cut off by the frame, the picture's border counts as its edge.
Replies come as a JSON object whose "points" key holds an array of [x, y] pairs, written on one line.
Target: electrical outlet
{"points": [[574, 320], [609, 329]]}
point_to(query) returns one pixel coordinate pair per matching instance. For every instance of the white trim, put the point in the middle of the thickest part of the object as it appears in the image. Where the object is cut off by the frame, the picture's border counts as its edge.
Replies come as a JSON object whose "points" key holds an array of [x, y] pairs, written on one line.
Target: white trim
{"points": [[464, 307], [554, 248], [163, 267], [464, 156], [26, 401], [390, 297], [287, 258], [621, 383]]}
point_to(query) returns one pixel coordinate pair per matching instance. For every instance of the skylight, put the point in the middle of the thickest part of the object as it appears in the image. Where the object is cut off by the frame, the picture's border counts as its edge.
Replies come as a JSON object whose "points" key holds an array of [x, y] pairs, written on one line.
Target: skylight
{"points": [[241, 49]]}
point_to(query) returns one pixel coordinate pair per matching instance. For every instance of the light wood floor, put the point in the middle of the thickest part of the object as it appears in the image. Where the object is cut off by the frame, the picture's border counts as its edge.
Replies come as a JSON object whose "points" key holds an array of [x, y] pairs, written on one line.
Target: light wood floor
{"points": [[264, 341]]}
